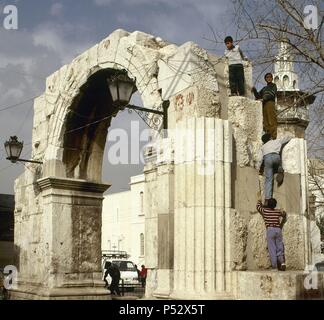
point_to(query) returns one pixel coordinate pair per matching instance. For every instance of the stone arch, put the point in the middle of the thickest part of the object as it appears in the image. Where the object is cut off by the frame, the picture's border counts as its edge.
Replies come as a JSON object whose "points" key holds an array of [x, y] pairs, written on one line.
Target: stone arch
{"points": [[141, 67], [62, 249]]}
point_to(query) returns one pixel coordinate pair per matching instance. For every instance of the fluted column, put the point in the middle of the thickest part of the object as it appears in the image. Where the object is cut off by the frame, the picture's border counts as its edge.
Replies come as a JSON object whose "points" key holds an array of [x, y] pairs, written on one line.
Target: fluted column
{"points": [[203, 156]]}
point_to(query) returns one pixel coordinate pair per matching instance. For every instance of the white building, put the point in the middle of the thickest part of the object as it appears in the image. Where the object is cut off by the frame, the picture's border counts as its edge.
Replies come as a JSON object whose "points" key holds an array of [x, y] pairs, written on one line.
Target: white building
{"points": [[123, 220], [285, 77]]}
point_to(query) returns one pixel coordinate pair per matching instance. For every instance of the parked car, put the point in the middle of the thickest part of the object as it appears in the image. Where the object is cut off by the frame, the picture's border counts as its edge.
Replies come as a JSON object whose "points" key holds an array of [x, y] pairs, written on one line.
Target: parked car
{"points": [[128, 272]]}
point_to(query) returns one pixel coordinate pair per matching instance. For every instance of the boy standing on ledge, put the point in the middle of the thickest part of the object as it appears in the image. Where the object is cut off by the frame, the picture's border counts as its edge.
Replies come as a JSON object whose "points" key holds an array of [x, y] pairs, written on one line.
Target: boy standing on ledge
{"points": [[268, 95], [235, 64]]}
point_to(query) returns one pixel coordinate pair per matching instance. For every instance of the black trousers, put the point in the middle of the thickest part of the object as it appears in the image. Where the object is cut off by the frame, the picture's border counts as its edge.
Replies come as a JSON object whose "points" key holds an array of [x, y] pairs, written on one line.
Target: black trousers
{"points": [[114, 287], [236, 79]]}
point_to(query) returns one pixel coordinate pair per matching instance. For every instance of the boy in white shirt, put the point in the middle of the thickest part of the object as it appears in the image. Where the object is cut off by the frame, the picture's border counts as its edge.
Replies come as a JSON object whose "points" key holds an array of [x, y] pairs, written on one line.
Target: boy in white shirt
{"points": [[236, 70]]}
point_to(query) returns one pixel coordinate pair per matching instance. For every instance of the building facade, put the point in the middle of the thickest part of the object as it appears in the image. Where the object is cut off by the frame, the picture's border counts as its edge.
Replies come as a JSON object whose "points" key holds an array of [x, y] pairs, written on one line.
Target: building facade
{"points": [[123, 227], [7, 207], [292, 103]]}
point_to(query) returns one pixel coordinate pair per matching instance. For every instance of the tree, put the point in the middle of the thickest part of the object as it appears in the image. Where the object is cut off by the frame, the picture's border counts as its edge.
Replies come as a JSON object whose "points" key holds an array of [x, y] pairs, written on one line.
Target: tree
{"points": [[263, 27]]}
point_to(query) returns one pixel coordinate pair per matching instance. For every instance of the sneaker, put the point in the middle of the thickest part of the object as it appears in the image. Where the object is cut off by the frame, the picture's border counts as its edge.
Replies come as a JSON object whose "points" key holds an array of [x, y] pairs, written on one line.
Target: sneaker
{"points": [[280, 177], [283, 267]]}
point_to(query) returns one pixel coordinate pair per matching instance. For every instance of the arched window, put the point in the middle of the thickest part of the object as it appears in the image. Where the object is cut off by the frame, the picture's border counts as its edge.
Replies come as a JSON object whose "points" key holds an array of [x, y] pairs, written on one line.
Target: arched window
{"points": [[286, 81], [142, 202], [142, 244], [294, 84], [276, 80]]}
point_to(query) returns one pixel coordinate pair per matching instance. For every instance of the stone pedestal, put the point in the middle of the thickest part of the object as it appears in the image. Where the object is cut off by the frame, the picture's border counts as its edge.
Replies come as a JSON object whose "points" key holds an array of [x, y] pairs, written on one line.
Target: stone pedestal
{"points": [[274, 285], [159, 221], [67, 254]]}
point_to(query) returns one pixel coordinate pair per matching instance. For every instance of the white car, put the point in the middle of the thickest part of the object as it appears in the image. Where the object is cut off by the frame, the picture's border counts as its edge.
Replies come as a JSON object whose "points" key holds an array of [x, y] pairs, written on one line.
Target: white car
{"points": [[128, 272]]}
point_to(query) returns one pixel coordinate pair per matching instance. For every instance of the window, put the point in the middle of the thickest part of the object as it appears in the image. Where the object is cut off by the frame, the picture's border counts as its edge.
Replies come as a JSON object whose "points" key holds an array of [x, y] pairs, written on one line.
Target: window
{"points": [[142, 244], [124, 265], [109, 245], [294, 84], [120, 244], [276, 80], [142, 202], [286, 81]]}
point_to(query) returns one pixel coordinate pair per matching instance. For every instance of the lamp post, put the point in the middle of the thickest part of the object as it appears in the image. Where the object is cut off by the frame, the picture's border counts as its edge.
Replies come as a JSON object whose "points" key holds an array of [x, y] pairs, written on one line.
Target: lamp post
{"points": [[13, 149], [121, 88]]}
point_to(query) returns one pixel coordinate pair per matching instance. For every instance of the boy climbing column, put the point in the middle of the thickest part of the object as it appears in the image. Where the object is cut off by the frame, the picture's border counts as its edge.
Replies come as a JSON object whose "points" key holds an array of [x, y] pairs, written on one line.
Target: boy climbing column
{"points": [[270, 161], [274, 220]]}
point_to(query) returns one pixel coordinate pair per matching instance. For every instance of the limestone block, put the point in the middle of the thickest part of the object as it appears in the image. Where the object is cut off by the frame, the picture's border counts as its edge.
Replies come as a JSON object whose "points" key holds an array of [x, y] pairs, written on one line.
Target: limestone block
{"points": [[293, 157], [266, 285], [293, 235], [107, 48], [80, 66], [93, 57], [257, 244], [39, 106], [246, 118], [164, 283], [294, 240], [195, 101], [125, 53], [146, 40], [246, 187], [151, 282], [151, 98], [248, 75], [239, 236], [52, 87], [184, 68], [315, 238], [288, 195]]}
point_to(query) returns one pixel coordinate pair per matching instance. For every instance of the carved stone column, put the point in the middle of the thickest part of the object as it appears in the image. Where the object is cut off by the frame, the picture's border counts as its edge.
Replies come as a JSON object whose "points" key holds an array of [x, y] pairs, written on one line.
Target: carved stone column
{"points": [[203, 156], [69, 245]]}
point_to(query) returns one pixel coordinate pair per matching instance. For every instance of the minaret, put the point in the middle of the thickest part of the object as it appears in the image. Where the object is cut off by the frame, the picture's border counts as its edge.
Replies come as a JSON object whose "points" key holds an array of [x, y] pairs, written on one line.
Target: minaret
{"points": [[292, 103]]}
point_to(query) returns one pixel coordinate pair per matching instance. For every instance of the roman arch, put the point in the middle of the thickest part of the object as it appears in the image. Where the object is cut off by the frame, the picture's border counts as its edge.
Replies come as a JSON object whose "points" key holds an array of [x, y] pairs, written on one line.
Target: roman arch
{"points": [[201, 230]]}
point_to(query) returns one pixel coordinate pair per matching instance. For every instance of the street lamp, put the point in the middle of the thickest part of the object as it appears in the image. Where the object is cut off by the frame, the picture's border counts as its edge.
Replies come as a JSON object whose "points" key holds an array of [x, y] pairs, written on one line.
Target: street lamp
{"points": [[121, 88], [13, 149]]}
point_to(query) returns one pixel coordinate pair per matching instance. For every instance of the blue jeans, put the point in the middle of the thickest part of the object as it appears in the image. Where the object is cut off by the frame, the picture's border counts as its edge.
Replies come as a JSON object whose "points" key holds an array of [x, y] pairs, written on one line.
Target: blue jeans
{"points": [[275, 246], [271, 161]]}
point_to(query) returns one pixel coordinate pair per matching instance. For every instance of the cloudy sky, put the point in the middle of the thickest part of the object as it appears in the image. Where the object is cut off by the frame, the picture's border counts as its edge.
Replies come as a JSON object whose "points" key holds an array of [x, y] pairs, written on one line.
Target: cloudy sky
{"points": [[51, 33]]}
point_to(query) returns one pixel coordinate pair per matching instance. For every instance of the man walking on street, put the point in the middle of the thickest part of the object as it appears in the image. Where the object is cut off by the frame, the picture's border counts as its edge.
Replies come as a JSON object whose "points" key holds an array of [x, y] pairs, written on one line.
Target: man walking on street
{"points": [[274, 220], [114, 273]]}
